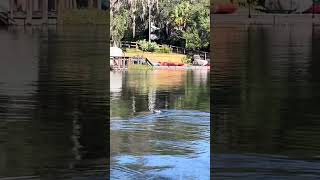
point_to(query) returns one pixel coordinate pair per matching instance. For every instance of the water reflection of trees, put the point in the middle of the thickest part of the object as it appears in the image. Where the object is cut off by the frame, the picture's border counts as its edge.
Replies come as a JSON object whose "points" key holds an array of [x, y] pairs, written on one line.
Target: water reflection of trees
{"points": [[145, 91], [66, 125], [262, 90], [73, 91], [164, 138], [161, 90]]}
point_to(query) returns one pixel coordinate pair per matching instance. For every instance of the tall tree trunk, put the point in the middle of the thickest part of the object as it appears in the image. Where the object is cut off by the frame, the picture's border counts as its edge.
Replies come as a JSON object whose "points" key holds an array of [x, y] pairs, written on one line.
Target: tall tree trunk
{"points": [[90, 3], [29, 12], [36, 5], [149, 6], [22, 5], [99, 4], [45, 11], [67, 4], [134, 26], [56, 5], [167, 28], [75, 5], [60, 7], [11, 5]]}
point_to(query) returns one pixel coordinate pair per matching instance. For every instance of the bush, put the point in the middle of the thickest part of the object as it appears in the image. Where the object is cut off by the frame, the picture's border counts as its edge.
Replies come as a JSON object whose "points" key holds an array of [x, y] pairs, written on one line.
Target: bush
{"points": [[165, 49], [187, 60], [148, 46]]}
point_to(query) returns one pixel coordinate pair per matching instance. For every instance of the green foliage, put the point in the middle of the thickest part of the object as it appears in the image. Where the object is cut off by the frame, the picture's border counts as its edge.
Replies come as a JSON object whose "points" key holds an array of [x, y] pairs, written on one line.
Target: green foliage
{"points": [[179, 21], [193, 20], [197, 33], [193, 41], [187, 60], [148, 46], [118, 26], [181, 14], [164, 49]]}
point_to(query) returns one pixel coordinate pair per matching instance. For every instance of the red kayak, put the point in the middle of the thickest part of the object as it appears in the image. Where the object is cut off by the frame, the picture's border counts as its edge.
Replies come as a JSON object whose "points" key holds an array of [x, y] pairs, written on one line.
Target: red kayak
{"points": [[225, 9], [170, 64]]}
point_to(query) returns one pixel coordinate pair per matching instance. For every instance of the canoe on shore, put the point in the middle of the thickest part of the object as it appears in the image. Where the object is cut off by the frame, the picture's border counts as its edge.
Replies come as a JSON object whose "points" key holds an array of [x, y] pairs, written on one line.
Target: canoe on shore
{"points": [[170, 64]]}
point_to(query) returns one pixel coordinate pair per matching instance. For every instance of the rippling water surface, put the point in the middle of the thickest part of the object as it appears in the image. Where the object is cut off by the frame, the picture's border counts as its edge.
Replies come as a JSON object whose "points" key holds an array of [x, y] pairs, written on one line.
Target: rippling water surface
{"points": [[53, 103], [266, 93], [171, 144]]}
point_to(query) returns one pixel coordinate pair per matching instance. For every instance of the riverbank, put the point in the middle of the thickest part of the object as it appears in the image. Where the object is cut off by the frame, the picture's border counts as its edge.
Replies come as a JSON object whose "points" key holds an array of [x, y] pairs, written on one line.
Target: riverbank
{"points": [[174, 68], [181, 67], [156, 57]]}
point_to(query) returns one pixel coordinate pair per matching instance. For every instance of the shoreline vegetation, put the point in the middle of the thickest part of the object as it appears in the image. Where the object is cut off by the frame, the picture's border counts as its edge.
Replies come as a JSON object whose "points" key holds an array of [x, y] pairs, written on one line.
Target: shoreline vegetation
{"points": [[183, 23], [159, 28]]}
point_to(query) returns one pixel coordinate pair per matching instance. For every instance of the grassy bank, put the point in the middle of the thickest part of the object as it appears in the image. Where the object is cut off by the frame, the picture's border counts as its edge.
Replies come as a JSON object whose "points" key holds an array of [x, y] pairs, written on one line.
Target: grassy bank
{"points": [[86, 16], [156, 57]]}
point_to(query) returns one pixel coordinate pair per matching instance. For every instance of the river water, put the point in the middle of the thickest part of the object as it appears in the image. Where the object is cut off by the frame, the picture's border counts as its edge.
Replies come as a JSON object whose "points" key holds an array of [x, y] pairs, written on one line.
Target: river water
{"points": [[54, 105], [266, 93], [55, 112], [171, 144]]}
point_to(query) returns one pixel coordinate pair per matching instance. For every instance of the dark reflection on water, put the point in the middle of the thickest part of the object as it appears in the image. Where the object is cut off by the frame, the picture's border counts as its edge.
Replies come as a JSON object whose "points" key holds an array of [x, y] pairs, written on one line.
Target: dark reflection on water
{"points": [[54, 103], [266, 92], [172, 144]]}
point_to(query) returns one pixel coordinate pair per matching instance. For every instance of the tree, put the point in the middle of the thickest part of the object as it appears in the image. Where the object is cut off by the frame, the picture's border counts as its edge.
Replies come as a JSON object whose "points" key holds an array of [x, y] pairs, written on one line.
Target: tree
{"points": [[133, 10], [180, 15], [180, 21], [118, 26]]}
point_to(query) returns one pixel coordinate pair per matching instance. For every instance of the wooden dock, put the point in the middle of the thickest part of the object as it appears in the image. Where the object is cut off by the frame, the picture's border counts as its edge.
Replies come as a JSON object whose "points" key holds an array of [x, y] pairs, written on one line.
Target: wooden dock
{"points": [[122, 63]]}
